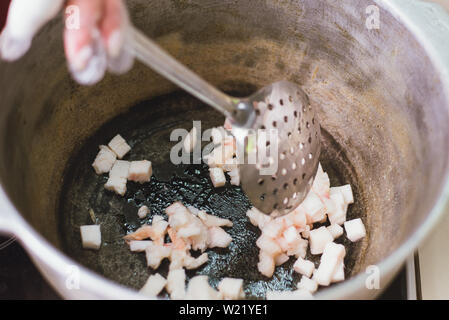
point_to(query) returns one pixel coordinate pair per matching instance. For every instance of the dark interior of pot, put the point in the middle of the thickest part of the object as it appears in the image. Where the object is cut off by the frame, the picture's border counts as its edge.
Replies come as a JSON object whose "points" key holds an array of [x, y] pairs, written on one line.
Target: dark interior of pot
{"points": [[147, 128], [384, 119]]}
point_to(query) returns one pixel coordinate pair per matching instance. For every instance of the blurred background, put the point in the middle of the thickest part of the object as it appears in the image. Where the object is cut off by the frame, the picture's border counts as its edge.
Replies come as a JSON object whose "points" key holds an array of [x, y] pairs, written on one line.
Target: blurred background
{"points": [[4, 4]]}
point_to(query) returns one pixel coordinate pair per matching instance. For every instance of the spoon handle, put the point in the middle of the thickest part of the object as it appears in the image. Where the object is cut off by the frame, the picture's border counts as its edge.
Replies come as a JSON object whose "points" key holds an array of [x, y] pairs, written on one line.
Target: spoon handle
{"points": [[149, 53]]}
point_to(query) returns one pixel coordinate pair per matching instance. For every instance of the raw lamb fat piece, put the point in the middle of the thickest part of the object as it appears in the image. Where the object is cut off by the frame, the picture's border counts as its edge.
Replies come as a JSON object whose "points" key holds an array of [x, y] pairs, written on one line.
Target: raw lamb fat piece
{"points": [[154, 285], [119, 146], [117, 185], [308, 284], [231, 288], [104, 161], [304, 267], [120, 169], [91, 236], [318, 239], [140, 171], [355, 229], [217, 176]]}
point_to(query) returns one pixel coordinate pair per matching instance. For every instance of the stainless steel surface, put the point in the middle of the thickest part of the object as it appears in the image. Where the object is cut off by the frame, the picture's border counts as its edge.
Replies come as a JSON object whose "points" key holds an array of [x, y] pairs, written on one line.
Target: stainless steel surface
{"points": [[412, 287], [388, 113], [433, 256], [283, 107], [153, 56]]}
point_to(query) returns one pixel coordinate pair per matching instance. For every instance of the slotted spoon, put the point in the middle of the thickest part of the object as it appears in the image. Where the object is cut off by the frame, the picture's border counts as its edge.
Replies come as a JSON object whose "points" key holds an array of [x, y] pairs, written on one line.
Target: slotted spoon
{"points": [[276, 130]]}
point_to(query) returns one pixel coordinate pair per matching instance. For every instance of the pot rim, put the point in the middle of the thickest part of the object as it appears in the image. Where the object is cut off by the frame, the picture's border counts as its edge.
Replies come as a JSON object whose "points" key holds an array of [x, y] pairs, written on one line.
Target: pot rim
{"points": [[418, 17]]}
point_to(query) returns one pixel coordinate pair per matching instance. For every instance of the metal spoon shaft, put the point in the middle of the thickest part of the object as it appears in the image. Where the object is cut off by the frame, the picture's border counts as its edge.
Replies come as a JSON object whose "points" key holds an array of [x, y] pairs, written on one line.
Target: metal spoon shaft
{"points": [[149, 53]]}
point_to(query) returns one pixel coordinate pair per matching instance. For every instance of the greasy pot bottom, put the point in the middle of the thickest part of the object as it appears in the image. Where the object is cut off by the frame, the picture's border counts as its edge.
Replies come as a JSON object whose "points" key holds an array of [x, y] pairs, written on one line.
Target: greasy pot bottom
{"points": [[147, 129]]}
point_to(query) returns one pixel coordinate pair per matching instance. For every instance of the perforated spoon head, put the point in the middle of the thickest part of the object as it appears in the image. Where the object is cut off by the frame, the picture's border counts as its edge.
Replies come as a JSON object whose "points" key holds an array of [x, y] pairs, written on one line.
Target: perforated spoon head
{"points": [[281, 146], [279, 180]]}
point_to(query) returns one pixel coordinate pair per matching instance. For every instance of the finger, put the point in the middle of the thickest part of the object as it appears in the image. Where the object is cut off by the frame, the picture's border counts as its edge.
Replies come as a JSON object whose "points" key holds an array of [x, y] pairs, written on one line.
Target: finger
{"points": [[25, 18], [78, 38], [84, 48], [114, 26]]}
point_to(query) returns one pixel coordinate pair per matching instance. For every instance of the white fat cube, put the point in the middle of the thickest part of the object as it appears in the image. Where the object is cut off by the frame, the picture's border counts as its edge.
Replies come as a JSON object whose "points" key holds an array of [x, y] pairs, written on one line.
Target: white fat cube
{"points": [[104, 161], [306, 233], [218, 238], [157, 218], [218, 135], [318, 239], [234, 174], [153, 286], [159, 228], [272, 228], [266, 264], [222, 154], [291, 235], [299, 249], [355, 229], [155, 253], [217, 176], [268, 245], [257, 218], [176, 208], [345, 191], [91, 236], [119, 146], [189, 230], [335, 230], [120, 169], [304, 267], [231, 288], [339, 274], [200, 289], [140, 171], [116, 184], [321, 183], [213, 221], [281, 259], [231, 164], [307, 284], [330, 260], [177, 259], [179, 218], [194, 263], [143, 211], [314, 207], [176, 282], [299, 219], [139, 245], [337, 215]]}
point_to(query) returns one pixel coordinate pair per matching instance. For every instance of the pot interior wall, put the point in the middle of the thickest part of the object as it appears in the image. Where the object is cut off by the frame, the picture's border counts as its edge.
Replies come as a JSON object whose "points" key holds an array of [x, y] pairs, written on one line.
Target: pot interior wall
{"points": [[147, 128], [387, 112]]}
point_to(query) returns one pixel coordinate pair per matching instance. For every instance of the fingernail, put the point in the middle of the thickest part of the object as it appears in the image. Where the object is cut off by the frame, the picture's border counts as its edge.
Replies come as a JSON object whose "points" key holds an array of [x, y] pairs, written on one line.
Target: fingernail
{"points": [[115, 43], [12, 49], [80, 60], [122, 63], [92, 73], [91, 64]]}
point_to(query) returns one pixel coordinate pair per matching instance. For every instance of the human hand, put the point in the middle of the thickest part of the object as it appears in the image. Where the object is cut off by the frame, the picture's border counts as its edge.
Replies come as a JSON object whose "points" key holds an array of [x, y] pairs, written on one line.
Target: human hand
{"points": [[94, 34]]}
